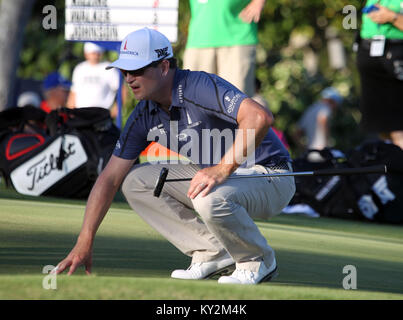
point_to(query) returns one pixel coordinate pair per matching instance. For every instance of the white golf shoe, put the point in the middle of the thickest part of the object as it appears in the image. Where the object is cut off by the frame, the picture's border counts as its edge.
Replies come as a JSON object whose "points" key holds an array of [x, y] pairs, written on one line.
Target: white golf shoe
{"points": [[205, 270], [241, 276]]}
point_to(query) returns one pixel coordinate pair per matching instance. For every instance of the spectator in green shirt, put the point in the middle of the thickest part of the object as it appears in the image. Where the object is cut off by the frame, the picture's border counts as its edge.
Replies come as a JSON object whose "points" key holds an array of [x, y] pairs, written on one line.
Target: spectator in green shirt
{"points": [[222, 39], [380, 64]]}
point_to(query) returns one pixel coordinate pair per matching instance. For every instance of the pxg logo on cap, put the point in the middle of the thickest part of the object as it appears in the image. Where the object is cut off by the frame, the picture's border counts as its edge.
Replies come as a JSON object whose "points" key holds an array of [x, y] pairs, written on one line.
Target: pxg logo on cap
{"points": [[142, 47], [162, 53]]}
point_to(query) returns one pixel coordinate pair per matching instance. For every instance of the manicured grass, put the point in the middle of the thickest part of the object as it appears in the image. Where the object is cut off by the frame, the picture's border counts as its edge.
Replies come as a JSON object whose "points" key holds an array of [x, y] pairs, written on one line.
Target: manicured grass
{"points": [[132, 261]]}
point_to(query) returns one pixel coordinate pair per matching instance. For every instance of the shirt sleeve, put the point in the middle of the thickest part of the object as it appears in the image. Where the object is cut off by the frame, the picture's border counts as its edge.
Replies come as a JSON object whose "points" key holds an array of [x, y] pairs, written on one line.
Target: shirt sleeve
{"points": [[133, 139], [74, 78], [114, 80], [215, 96]]}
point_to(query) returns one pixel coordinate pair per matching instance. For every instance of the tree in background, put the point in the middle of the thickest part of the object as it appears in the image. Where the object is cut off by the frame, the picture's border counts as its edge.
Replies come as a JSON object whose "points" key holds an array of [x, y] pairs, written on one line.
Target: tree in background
{"points": [[14, 16], [295, 63]]}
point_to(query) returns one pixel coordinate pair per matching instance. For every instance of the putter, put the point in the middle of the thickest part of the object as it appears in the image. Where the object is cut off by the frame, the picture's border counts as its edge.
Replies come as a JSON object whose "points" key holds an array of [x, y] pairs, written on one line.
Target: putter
{"points": [[322, 172]]}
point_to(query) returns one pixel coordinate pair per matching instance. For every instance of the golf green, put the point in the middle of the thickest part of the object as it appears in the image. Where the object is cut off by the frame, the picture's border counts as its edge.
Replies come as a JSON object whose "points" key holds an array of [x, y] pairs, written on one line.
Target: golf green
{"points": [[132, 261]]}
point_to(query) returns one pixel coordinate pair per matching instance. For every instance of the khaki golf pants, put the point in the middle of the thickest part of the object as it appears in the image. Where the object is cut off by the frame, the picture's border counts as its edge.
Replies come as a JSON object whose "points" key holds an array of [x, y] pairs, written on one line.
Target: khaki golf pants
{"points": [[235, 64], [207, 228]]}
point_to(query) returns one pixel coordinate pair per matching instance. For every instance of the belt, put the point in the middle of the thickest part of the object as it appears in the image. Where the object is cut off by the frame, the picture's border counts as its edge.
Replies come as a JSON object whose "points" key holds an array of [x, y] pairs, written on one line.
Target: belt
{"points": [[283, 165]]}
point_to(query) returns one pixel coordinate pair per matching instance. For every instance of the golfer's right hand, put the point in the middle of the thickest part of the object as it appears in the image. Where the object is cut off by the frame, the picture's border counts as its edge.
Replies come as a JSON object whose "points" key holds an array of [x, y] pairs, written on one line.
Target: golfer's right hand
{"points": [[80, 255]]}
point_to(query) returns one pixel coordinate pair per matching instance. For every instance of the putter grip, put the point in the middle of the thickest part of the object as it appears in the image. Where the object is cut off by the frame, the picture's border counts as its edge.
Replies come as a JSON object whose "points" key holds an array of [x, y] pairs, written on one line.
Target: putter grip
{"points": [[347, 171], [160, 182]]}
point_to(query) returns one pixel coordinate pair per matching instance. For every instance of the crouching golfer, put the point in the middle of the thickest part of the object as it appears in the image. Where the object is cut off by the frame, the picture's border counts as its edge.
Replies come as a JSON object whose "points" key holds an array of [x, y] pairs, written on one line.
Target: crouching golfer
{"points": [[210, 217]]}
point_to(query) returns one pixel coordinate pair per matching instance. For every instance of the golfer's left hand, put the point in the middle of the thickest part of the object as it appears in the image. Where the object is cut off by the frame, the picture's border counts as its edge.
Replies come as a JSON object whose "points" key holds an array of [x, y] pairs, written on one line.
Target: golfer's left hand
{"points": [[205, 180], [381, 16]]}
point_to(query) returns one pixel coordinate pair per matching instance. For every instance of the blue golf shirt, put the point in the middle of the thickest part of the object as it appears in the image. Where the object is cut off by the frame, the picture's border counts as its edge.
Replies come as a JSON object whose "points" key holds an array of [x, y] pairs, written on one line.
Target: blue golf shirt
{"points": [[201, 125]]}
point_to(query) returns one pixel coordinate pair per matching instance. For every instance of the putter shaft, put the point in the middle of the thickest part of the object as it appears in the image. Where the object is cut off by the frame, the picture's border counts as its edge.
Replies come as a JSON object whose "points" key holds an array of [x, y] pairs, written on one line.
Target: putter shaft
{"points": [[323, 172]]}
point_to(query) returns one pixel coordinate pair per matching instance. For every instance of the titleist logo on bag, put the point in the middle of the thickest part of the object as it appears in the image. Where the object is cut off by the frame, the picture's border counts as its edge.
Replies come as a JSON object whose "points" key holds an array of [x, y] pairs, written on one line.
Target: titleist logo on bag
{"points": [[39, 173]]}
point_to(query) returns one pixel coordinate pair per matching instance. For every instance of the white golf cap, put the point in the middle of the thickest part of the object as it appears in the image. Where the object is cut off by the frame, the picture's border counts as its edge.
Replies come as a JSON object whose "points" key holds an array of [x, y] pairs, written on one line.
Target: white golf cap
{"points": [[29, 98], [90, 47], [142, 47]]}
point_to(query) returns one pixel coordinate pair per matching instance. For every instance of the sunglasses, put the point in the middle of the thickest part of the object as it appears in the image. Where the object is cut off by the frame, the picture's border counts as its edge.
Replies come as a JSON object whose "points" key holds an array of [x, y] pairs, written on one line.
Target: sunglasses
{"points": [[140, 72]]}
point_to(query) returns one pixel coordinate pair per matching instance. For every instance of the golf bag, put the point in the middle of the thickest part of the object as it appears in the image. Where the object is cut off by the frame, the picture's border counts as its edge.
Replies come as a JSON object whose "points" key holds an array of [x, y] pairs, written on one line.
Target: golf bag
{"points": [[379, 197], [370, 197], [58, 154], [327, 195]]}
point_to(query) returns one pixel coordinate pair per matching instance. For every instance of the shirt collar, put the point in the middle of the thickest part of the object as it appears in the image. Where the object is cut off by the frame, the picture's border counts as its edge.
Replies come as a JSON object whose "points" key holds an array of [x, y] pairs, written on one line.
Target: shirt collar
{"points": [[177, 91], [178, 87]]}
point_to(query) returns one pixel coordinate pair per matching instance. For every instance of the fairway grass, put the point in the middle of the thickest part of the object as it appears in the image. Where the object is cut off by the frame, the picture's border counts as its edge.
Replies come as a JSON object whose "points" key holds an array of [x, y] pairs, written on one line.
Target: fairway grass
{"points": [[146, 288], [132, 261]]}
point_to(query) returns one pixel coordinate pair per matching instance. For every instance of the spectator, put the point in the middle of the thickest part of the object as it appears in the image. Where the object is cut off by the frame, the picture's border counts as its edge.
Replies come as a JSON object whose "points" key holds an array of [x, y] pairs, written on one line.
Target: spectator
{"points": [[314, 123], [56, 90], [29, 98], [30, 103], [93, 86], [381, 71], [222, 40]]}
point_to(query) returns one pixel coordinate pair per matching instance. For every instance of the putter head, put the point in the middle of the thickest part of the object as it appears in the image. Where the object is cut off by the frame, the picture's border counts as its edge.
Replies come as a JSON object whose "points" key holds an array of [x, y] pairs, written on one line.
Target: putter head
{"points": [[160, 182]]}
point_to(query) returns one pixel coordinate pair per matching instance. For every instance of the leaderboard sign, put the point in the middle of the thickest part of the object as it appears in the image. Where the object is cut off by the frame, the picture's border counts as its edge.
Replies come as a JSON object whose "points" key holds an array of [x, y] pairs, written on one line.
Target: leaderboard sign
{"points": [[112, 20]]}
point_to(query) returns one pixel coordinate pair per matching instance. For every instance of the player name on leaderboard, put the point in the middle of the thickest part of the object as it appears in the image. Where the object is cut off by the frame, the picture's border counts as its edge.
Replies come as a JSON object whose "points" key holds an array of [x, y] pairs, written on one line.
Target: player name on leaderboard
{"points": [[112, 20]]}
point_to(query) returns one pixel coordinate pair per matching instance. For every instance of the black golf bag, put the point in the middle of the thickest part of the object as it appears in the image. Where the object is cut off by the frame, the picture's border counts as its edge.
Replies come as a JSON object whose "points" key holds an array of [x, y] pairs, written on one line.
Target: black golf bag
{"points": [[379, 197], [328, 195], [369, 197], [58, 154]]}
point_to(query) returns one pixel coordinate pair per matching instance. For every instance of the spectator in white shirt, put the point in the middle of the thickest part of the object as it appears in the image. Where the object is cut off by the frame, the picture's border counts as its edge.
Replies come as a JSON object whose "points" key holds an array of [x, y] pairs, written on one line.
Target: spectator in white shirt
{"points": [[315, 121], [93, 86]]}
